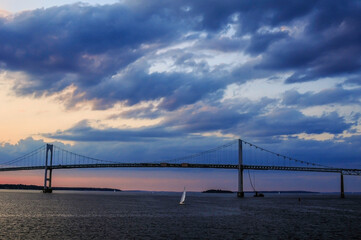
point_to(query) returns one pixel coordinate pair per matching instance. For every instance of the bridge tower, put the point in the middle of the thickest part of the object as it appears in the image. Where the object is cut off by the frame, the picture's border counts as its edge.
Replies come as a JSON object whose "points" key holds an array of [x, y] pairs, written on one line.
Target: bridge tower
{"points": [[48, 169], [240, 192], [342, 188]]}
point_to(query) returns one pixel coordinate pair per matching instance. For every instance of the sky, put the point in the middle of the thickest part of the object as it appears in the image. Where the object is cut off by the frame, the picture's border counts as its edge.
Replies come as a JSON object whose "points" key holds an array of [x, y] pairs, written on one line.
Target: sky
{"points": [[129, 80]]}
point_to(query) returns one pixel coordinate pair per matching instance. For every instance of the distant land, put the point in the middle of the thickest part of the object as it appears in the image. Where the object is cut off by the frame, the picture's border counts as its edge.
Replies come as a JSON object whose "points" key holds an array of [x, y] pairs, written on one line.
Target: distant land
{"points": [[227, 191], [217, 191], [34, 187], [284, 192]]}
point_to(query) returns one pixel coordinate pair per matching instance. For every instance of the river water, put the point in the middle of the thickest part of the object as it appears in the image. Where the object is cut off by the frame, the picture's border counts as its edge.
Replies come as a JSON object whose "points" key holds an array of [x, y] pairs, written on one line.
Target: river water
{"points": [[146, 215]]}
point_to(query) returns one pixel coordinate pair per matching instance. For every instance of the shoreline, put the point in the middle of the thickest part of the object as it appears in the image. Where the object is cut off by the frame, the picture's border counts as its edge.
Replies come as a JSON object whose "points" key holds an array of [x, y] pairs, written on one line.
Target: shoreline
{"points": [[36, 187]]}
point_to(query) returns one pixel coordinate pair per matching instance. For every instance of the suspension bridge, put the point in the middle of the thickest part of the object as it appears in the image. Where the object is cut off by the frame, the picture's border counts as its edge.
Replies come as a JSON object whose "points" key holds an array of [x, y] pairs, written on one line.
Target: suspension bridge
{"points": [[238, 154]]}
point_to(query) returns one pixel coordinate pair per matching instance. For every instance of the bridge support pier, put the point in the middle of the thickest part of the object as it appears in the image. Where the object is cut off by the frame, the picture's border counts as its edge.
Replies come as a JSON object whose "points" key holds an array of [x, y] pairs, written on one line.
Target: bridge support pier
{"points": [[48, 169], [342, 188], [240, 192]]}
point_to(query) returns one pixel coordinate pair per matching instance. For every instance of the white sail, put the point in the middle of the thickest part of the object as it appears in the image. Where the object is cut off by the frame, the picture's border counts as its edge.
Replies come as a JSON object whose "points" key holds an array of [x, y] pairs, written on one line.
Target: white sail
{"points": [[183, 198]]}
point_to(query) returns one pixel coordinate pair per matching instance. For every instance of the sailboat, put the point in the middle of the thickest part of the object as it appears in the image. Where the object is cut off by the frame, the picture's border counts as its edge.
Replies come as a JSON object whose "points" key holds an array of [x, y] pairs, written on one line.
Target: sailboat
{"points": [[183, 198]]}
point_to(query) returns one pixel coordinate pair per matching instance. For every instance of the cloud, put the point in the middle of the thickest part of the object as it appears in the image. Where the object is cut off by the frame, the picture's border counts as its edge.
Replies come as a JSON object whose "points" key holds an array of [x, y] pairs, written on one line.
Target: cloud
{"points": [[80, 45], [249, 16], [225, 116], [245, 118], [98, 50], [260, 42], [223, 44], [108, 53], [135, 85], [324, 97], [11, 151], [325, 44], [353, 81], [287, 121], [149, 112], [340, 152], [83, 132], [105, 51], [254, 120]]}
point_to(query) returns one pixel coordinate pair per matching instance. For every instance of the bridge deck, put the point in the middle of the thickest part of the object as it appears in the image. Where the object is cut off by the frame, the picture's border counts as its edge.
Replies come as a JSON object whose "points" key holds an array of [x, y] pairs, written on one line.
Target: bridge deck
{"points": [[191, 165]]}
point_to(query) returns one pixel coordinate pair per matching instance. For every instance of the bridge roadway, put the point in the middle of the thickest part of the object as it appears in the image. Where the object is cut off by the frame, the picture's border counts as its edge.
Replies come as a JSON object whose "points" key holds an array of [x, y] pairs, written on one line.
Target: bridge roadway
{"points": [[344, 171]]}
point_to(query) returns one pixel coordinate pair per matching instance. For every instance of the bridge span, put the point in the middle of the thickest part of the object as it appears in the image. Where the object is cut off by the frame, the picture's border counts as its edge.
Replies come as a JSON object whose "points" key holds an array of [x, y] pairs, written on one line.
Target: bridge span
{"points": [[344, 171], [57, 158]]}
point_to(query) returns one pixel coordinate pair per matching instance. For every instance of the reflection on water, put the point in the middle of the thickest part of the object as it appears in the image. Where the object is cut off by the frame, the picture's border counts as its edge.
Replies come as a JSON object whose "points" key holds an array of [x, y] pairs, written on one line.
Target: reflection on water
{"points": [[143, 215]]}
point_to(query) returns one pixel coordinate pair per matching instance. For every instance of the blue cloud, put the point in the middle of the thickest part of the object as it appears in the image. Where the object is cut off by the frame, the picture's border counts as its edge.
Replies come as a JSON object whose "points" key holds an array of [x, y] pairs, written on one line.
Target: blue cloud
{"points": [[289, 121], [260, 42], [11, 151], [324, 97], [149, 112], [336, 51], [83, 132], [356, 80], [224, 116]]}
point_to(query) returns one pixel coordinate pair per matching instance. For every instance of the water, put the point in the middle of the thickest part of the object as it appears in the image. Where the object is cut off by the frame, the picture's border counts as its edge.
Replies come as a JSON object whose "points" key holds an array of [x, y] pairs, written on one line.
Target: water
{"points": [[145, 215]]}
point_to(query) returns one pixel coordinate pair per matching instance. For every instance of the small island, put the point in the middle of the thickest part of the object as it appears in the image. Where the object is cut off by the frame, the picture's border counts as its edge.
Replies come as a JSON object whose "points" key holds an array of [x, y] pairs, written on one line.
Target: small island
{"points": [[217, 191]]}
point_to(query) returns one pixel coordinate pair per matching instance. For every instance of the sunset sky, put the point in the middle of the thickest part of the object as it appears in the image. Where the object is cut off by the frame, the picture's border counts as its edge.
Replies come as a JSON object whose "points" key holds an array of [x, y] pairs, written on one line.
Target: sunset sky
{"points": [[129, 80]]}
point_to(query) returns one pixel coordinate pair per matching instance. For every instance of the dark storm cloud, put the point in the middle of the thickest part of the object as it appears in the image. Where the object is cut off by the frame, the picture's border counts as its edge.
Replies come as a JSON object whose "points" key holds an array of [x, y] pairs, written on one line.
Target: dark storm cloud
{"points": [[324, 97]]}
